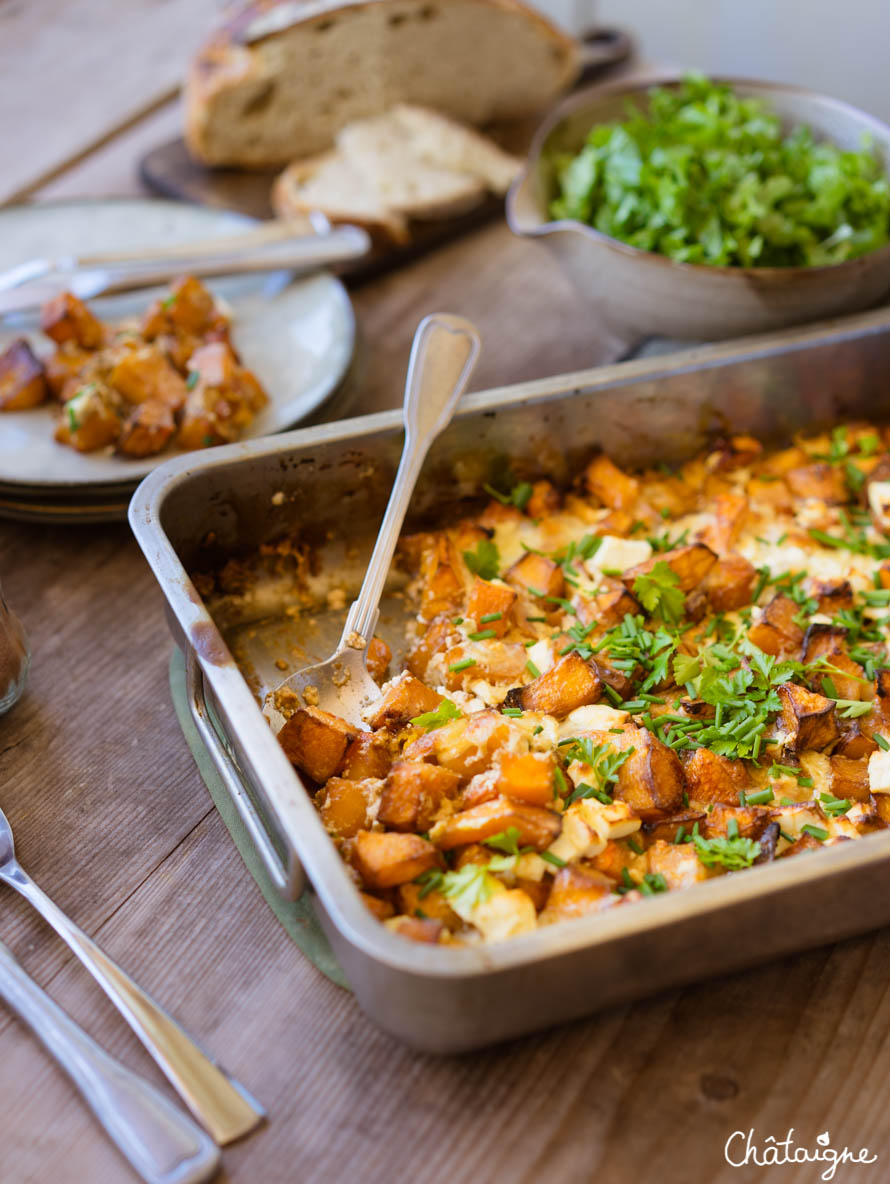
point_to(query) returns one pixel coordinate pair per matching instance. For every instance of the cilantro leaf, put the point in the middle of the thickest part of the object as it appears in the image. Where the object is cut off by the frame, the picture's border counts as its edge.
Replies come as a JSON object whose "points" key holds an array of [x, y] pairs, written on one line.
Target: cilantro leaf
{"points": [[430, 720], [660, 593], [468, 887], [732, 853], [484, 561], [705, 175]]}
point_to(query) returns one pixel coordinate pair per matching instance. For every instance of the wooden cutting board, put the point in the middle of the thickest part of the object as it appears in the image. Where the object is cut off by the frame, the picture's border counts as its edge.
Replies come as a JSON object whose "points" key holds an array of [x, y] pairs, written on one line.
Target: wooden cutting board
{"points": [[170, 171]]}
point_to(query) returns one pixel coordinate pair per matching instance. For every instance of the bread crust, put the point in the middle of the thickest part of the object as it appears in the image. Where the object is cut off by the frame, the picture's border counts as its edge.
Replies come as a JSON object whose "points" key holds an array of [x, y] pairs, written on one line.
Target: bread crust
{"points": [[229, 59]]}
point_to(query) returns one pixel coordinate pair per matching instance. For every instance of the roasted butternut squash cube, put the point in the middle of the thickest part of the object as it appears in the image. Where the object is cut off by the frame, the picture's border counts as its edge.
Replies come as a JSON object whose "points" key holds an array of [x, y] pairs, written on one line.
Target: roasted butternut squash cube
{"points": [[751, 821], [413, 793], [821, 480], [378, 658], [367, 755], [91, 419], [385, 859], [438, 636], [492, 661], [382, 909], [854, 743], [442, 584], [423, 929], [147, 430], [833, 595], [22, 378], [651, 779], [608, 609], [144, 374], [882, 696], [416, 898], [569, 683], [526, 777], [465, 746], [537, 827], [188, 308], [67, 318], [490, 606], [344, 805], [223, 400], [538, 575], [609, 485], [690, 564], [545, 500], [729, 584], [849, 778], [677, 825], [713, 778], [315, 741], [577, 892], [65, 367], [678, 863], [729, 512], [777, 632], [810, 719], [737, 452], [405, 698]]}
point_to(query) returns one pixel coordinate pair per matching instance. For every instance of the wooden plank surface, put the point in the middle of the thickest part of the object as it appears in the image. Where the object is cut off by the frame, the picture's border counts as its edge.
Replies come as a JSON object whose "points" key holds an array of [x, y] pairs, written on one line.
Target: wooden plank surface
{"points": [[74, 72], [112, 818]]}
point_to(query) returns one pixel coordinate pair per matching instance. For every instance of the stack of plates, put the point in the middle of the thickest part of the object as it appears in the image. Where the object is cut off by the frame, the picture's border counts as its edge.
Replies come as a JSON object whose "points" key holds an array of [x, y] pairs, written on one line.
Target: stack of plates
{"points": [[297, 337]]}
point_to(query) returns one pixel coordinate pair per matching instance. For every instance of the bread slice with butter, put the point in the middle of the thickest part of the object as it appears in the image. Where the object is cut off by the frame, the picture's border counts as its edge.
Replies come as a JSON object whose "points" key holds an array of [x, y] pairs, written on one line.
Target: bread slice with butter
{"points": [[283, 77]]}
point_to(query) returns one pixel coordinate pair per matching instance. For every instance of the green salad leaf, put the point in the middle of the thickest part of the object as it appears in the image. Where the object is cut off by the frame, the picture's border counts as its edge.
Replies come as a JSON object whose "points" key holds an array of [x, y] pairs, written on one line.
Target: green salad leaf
{"points": [[707, 176]]}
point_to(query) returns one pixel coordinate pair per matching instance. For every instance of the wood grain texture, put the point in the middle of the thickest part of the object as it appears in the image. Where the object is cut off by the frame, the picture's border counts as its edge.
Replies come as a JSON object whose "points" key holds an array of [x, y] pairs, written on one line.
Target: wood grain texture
{"points": [[73, 72]]}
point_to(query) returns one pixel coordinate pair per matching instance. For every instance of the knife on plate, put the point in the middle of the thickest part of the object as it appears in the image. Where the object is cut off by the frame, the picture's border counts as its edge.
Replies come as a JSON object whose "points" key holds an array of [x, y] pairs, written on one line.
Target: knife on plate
{"points": [[272, 247]]}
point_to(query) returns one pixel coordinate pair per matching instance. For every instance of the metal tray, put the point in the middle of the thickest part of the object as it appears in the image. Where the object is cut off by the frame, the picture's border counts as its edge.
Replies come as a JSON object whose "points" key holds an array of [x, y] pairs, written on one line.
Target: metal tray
{"points": [[332, 481]]}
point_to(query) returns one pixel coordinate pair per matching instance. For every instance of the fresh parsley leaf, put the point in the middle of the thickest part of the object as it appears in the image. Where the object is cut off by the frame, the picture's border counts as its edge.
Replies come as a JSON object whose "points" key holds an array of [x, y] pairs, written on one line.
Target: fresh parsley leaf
{"points": [[430, 720], [660, 593], [705, 175], [484, 561], [506, 841], [732, 853], [468, 887]]}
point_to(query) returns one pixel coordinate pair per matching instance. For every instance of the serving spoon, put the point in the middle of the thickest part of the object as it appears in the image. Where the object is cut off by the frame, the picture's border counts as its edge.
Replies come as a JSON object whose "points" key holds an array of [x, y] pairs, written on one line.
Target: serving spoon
{"points": [[443, 355], [224, 1107]]}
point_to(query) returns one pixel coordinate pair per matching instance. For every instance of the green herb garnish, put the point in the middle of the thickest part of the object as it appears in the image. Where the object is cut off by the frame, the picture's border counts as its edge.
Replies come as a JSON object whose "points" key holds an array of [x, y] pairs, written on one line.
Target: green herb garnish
{"points": [[484, 561], [430, 720], [708, 176]]}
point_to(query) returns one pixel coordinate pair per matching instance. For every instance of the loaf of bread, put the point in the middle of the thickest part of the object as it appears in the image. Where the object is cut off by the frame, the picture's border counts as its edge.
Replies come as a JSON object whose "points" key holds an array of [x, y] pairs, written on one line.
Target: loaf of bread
{"points": [[280, 79], [407, 164]]}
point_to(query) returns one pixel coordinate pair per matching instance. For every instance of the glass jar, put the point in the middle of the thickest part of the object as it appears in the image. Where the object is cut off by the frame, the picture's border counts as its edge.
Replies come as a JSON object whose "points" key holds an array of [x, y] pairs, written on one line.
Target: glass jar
{"points": [[15, 657]]}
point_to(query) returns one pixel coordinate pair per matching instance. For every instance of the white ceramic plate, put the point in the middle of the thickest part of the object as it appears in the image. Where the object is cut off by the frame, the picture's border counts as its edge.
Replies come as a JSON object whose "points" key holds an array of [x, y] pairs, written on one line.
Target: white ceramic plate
{"points": [[298, 337]]}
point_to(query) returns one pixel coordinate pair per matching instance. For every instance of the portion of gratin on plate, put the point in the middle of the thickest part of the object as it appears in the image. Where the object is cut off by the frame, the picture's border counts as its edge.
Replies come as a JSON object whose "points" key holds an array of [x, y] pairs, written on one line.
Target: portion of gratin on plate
{"points": [[623, 689]]}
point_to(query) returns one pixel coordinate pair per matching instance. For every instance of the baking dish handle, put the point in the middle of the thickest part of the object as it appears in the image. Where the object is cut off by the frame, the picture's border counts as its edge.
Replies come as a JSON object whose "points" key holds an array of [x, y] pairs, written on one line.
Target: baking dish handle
{"points": [[286, 874]]}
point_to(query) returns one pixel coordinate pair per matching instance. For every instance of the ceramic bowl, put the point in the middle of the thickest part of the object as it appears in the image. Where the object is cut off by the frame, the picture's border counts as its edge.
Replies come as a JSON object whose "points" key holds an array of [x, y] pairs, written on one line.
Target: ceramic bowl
{"points": [[641, 294]]}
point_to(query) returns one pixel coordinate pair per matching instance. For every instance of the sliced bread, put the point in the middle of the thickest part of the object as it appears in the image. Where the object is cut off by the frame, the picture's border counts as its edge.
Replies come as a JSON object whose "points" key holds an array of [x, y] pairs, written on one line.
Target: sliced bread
{"points": [[281, 78], [331, 184], [452, 145], [404, 181]]}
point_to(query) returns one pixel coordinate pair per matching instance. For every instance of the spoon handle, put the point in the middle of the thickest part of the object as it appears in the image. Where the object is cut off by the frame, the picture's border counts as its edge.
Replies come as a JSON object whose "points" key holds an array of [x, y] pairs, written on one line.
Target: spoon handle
{"points": [[162, 1143], [224, 1107], [443, 355]]}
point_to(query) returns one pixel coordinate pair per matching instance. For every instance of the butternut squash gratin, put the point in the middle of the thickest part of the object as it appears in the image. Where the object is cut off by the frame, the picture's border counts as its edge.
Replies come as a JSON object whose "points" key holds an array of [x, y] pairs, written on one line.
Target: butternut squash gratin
{"points": [[622, 690]]}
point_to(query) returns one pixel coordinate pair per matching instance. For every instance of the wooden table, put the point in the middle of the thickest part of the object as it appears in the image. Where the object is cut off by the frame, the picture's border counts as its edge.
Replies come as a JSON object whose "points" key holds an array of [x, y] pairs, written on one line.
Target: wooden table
{"points": [[113, 819]]}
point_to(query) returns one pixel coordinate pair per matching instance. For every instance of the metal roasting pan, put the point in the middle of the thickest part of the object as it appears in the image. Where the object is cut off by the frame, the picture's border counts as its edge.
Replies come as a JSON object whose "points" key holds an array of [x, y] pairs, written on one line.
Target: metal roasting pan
{"points": [[332, 482]]}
